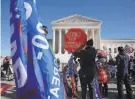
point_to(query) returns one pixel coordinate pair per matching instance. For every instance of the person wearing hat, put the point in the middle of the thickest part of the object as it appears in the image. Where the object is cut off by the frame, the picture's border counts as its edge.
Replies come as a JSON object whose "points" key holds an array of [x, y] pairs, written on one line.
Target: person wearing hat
{"points": [[88, 68], [122, 62]]}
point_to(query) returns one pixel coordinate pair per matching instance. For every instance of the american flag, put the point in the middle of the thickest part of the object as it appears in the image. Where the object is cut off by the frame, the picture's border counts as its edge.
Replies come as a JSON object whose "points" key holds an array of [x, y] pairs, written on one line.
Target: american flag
{"points": [[128, 49]]}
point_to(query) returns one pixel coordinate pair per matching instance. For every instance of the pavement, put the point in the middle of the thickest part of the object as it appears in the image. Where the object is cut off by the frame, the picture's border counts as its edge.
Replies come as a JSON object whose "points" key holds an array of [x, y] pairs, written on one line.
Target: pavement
{"points": [[11, 92]]}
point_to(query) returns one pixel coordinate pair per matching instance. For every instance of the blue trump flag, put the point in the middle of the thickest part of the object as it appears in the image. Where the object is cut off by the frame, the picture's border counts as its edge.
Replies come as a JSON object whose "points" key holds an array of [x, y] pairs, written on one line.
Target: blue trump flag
{"points": [[35, 68]]}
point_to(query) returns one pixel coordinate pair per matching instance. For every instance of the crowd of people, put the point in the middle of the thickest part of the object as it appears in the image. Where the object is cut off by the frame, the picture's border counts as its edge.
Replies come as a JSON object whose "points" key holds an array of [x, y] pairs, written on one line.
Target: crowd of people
{"points": [[90, 63], [87, 63]]}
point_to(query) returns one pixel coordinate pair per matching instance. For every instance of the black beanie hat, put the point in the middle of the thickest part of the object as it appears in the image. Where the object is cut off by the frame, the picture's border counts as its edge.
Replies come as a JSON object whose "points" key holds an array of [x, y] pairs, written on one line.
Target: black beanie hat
{"points": [[89, 42]]}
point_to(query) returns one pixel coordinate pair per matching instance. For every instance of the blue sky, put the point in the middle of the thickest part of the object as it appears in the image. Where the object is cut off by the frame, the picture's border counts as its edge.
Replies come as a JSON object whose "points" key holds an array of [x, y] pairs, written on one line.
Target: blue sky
{"points": [[118, 16]]}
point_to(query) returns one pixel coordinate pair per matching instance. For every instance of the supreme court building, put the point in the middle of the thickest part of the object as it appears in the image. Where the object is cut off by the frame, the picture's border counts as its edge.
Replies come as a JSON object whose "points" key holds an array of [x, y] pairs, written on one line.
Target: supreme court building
{"points": [[92, 28]]}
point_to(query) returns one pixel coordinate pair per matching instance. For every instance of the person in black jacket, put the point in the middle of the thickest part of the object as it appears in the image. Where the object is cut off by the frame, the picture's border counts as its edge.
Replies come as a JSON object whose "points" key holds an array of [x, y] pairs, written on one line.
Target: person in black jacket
{"points": [[88, 68], [122, 61]]}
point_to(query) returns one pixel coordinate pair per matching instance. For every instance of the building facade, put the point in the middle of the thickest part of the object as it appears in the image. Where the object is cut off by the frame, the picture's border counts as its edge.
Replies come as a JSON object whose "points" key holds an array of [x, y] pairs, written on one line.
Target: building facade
{"points": [[110, 46], [92, 28]]}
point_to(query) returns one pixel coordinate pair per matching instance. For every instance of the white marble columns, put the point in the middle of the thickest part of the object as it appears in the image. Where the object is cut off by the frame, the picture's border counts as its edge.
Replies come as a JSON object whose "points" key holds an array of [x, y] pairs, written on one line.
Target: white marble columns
{"points": [[99, 39], [53, 40], [66, 30], [60, 31], [87, 33]]}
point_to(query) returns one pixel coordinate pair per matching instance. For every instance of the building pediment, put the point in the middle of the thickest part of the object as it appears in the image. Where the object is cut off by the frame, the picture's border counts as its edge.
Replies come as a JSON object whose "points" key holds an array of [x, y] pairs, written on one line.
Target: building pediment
{"points": [[76, 19]]}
